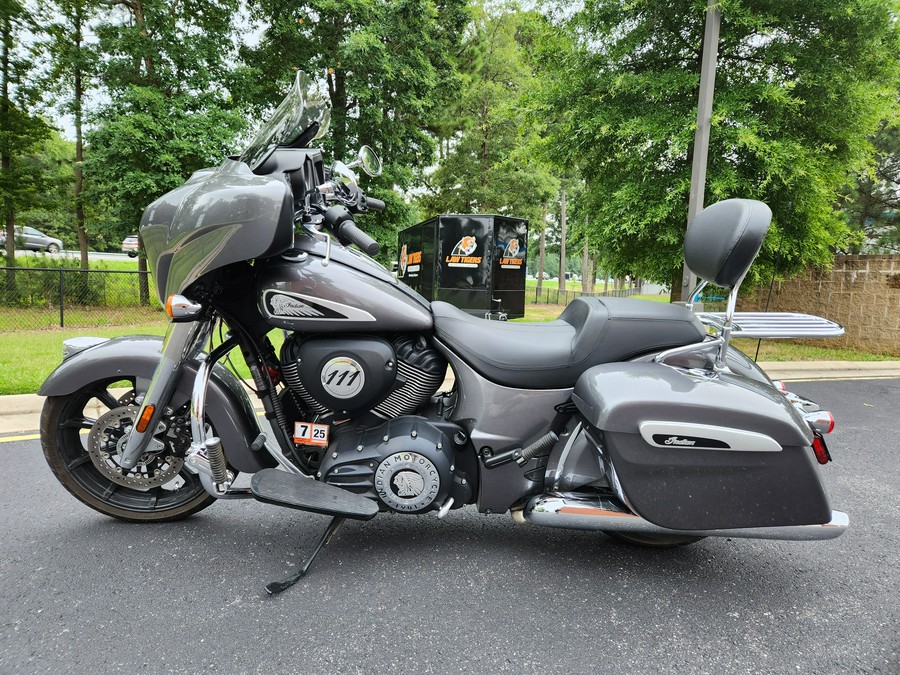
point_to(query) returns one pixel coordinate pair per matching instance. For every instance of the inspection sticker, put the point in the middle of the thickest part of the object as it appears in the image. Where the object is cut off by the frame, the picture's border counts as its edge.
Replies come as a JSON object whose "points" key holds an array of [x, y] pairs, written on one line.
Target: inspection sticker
{"points": [[311, 434]]}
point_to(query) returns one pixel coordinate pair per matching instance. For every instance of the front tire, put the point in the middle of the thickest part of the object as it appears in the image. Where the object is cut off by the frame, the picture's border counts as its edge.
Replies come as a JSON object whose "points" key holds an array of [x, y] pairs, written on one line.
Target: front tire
{"points": [[53, 248], [63, 420]]}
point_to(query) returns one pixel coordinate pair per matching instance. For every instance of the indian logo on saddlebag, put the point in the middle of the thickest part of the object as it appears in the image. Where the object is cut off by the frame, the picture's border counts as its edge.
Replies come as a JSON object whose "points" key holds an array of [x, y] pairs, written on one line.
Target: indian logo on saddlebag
{"points": [[284, 305]]}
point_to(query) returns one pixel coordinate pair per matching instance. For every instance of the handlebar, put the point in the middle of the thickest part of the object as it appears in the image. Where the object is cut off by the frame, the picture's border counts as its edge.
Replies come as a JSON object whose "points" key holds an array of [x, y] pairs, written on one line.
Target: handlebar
{"points": [[340, 221], [373, 204]]}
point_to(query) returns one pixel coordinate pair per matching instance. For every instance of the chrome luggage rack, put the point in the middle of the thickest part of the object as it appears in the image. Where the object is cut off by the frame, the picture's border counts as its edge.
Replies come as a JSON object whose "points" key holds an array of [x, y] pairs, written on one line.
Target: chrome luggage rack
{"points": [[773, 325]]}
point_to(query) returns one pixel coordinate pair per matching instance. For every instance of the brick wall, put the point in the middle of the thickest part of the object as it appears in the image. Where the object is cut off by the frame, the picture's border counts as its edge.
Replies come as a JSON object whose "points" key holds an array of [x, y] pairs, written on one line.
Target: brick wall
{"points": [[861, 292]]}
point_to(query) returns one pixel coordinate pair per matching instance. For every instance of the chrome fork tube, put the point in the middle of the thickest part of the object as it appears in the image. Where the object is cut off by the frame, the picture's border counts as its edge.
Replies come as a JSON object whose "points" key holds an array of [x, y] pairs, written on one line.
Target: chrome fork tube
{"points": [[182, 341]]}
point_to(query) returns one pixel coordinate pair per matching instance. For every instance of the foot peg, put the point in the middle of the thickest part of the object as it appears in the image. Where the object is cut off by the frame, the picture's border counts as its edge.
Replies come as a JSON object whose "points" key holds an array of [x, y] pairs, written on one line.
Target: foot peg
{"points": [[298, 492]]}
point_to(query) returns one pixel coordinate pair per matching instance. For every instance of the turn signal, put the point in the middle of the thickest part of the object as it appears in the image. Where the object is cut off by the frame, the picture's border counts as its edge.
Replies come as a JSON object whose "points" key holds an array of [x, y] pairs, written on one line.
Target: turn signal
{"points": [[179, 307], [142, 423]]}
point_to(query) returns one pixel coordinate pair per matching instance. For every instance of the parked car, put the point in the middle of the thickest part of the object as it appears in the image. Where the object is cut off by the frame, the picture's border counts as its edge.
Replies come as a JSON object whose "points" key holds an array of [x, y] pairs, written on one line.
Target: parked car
{"points": [[32, 240], [130, 245]]}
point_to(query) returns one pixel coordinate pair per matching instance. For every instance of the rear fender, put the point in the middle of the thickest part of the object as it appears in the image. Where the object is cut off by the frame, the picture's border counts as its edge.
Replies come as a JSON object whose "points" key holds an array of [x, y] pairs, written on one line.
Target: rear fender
{"points": [[228, 407]]}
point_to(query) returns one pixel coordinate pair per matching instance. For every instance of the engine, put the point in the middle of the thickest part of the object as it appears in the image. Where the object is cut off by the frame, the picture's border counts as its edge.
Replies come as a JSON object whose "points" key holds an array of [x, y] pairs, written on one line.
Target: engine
{"points": [[341, 378], [407, 463], [370, 391]]}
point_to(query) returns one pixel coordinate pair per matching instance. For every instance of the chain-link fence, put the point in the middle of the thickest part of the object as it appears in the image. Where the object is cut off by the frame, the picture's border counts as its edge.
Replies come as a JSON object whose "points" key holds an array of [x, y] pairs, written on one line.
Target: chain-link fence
{"points": [[36, 298], [554, 296]]}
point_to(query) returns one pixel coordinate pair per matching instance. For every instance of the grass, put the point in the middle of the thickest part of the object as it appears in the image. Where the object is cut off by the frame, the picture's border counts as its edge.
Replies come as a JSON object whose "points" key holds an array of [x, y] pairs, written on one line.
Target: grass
{"points": [[73, 262], [81, 318], [28, 357]]}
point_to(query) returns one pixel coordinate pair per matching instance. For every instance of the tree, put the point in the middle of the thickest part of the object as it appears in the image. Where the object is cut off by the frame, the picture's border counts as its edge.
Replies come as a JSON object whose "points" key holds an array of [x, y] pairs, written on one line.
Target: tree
{"points": [[72, 68], [21, 131], [800, 88], [169, 113], [390, 71], [872, 203], [493, 160], [50, 207]]}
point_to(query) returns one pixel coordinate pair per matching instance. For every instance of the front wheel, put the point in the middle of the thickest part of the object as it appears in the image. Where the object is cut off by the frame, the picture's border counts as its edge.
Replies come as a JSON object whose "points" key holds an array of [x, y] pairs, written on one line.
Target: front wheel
{"points": [[53, 248], [653, 540], [82, 435]]}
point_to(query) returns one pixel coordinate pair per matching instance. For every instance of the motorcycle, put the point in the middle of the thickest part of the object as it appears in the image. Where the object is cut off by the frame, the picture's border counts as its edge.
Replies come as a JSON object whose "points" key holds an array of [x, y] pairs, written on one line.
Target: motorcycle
{"points": [[634, 418]]}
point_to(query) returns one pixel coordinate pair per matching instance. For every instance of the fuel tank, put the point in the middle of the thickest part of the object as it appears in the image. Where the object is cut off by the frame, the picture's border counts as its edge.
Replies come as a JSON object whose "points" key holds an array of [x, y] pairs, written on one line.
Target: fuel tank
{"points": [[316, 290]]}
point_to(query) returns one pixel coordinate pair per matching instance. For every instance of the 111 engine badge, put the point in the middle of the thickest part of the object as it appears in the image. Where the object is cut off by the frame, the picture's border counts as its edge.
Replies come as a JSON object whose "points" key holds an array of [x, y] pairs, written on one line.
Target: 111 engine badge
{"points": [[343, 377]]}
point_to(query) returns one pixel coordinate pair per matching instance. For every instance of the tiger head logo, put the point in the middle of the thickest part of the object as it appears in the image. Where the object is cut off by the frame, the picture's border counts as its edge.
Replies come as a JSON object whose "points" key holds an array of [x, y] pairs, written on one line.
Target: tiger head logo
{"points": [[465, 246], [404, 258], [512, 248]]}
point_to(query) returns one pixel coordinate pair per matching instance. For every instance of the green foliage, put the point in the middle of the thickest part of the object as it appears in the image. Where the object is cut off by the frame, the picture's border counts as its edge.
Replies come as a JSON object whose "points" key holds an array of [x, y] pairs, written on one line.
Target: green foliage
{"points": [[49, 209], [21, 130], [872, 204], [168, 115], [490, 160], [390, 74], [799, 88]]}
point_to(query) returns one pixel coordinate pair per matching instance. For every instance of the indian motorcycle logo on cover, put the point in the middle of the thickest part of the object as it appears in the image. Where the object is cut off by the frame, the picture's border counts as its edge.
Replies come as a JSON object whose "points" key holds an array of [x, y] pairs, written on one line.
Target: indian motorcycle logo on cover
{"points": [[461, 256], [410, 262]]}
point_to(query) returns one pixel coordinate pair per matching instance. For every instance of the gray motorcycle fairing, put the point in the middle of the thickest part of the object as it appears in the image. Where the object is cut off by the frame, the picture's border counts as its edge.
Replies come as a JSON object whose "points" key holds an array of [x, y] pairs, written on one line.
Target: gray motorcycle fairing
{"points": [[337, 297], [218, 217], [228, 407]]}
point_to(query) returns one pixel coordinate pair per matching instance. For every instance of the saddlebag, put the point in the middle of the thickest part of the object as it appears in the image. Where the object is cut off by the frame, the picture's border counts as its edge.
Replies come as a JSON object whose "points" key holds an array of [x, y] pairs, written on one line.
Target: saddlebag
{"points": [[698, 451]]}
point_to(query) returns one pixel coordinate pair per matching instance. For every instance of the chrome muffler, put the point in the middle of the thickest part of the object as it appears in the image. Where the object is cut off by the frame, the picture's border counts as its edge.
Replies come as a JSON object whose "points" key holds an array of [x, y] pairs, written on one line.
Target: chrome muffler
{"points": [[588, 512]]}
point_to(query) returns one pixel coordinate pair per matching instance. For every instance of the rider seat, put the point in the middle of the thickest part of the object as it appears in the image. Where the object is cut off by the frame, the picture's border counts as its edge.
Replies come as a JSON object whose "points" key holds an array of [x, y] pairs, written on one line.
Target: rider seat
{"points": [[552, 355]]}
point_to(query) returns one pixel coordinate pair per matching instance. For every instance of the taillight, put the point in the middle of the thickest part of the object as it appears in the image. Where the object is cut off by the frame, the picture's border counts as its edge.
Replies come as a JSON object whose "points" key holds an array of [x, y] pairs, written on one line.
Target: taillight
{"points": [[820, 449]]}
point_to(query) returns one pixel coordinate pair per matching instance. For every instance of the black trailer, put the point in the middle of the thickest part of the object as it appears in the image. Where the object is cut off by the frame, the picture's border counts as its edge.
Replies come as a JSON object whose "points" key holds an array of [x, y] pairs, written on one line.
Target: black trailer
{"points": [[475, 262]]}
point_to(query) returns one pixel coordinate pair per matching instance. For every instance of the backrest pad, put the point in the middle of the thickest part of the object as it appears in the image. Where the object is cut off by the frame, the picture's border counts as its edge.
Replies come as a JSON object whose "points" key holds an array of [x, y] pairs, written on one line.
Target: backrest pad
{"points": [[723, 240]]}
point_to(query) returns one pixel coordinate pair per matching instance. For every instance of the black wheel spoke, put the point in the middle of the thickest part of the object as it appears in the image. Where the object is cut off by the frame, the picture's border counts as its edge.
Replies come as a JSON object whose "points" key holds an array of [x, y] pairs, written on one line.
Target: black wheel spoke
{"points": [[83, 458], [78, 423], [110, 489], [153, 498], [107, 399]]}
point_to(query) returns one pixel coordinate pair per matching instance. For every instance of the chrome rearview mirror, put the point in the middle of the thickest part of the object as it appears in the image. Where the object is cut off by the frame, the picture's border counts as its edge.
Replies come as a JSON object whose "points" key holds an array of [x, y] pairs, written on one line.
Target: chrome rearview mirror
{"points": [[342, 173], [368, 160]]}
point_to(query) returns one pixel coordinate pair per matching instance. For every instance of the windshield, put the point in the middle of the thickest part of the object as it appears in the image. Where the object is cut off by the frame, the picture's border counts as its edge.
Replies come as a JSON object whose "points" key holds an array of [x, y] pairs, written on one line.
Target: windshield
{"points": [[303, 107]]}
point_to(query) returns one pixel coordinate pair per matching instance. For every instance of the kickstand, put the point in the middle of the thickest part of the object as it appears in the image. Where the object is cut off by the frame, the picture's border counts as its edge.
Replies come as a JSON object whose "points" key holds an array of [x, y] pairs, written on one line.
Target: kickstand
{"points": [[278, 586]]}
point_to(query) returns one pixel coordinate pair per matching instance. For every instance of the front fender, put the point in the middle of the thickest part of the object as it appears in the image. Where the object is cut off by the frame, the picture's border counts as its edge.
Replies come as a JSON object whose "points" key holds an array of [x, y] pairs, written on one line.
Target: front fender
{"points": [[228, 407]]}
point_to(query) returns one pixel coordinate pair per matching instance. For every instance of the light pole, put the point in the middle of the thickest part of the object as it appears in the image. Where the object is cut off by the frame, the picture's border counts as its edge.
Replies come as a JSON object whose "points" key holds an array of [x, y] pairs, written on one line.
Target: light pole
{"points": [[701, 136]]}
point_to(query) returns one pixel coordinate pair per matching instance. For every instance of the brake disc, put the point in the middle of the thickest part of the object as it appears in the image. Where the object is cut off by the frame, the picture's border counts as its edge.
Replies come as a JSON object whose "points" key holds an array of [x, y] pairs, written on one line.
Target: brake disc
{"points": [[106, 442]]}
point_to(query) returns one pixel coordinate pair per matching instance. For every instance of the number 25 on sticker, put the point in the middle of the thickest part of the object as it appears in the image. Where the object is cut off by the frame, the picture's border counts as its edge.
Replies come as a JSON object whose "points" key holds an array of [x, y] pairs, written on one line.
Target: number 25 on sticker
{"points": [[311, 434]]}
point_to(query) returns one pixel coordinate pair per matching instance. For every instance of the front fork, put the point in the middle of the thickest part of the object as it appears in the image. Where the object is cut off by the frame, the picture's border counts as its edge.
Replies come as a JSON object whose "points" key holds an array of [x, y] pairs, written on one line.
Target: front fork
{"points": [[184, 341]]}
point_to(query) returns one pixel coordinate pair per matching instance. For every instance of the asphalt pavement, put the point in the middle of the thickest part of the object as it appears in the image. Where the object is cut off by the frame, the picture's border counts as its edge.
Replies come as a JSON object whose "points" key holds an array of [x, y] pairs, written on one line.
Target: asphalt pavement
{"points": [[80, 592]]}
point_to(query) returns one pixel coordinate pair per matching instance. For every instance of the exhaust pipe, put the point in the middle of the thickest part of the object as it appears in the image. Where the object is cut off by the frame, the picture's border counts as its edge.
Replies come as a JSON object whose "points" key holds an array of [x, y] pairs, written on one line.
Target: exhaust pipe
{"points": [[587, 512]]}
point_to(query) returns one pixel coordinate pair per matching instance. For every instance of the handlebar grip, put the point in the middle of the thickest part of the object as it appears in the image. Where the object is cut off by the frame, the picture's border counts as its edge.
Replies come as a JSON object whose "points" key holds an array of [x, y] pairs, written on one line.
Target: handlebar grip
{"points": [[340, 221], [349, 231], [375, 204]]}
